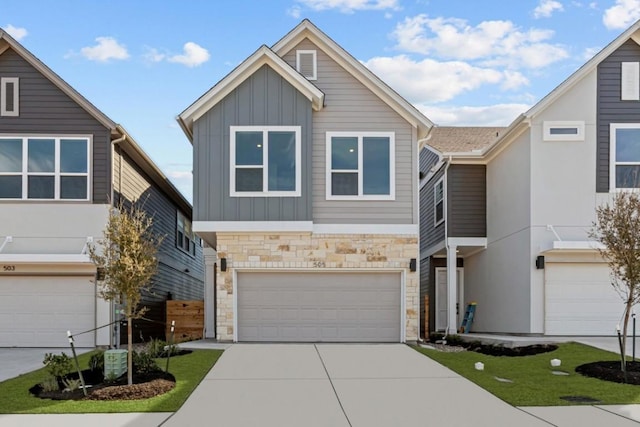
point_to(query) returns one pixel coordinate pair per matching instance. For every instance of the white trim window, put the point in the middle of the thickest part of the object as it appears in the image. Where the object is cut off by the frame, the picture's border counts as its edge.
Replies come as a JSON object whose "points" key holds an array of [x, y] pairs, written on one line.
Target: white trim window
{"points": [[629, 81], [307, 63], [265, 161], [185, 238], [563, 131], [438, 202], [624, 156], [44, 168], [9, 96], [360, 166]]}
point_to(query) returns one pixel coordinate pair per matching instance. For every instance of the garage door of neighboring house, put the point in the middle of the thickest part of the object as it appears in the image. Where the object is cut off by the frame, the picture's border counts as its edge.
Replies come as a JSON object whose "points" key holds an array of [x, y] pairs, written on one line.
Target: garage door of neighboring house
{"points": [[580, 300], [37, 311], [319, 307]]}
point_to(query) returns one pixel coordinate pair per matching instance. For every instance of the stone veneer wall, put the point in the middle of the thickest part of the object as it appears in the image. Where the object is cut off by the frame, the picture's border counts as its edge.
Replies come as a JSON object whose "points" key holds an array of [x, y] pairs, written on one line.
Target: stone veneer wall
{"points": [[321, 252]]}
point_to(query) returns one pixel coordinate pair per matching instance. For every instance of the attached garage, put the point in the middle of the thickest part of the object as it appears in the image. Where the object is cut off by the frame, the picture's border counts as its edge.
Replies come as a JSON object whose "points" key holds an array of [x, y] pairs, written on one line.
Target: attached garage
{"points": [[319, 307], [37, 311], [579, 300]]}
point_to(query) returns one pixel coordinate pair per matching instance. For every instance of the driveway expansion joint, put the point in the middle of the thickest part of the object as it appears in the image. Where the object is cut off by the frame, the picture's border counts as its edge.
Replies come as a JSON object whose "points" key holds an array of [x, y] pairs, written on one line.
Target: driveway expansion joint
{"points": [[332, 386]]}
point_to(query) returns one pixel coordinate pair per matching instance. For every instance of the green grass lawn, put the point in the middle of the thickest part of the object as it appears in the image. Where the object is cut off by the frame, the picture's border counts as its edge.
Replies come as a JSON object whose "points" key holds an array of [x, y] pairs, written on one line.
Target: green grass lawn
{"points": [[533, 383], [188, 370]]}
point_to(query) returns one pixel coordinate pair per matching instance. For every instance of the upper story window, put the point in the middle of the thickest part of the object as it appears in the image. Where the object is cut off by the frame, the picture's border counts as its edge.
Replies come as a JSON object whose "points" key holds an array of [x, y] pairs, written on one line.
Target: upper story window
{"points": [[9, 96], [265, 161], [185, 238], [307, 64], [44, 168], [624, 149], [563, 131], [360, 166], [438, 202], [630, 81]]}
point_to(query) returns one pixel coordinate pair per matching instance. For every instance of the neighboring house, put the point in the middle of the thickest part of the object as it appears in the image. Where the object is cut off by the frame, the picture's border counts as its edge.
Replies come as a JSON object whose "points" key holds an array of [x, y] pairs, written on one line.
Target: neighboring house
{"points": [[62, 163], [514, 206], [306, 185]]}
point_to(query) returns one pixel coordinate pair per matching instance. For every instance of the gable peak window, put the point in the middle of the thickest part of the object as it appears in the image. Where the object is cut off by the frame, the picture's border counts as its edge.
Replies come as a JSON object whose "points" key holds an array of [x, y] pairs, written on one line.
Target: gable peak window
{"points": [[624, 156], [265, 161], [44, 168], [438, 202], [307, 63], [360, 166], [9, 97]]}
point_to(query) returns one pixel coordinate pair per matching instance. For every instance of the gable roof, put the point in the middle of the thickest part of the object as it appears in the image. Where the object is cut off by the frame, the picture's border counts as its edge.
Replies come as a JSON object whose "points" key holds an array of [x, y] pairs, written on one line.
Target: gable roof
{"points": [[6, 42], [452, 139], [306, 29], [118, 134], [260, 57]]}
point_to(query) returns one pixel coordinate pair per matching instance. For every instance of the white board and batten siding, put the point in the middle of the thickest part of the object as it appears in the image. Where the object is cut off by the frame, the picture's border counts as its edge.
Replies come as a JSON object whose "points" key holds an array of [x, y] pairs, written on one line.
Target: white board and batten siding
{"points": [[350, 106], [580, 300], [37, 311], [319, 307]]}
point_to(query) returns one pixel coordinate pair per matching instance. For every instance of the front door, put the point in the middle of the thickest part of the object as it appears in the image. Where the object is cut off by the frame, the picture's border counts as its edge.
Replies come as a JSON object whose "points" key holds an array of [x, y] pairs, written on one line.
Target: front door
{"points": [[441, 297]]}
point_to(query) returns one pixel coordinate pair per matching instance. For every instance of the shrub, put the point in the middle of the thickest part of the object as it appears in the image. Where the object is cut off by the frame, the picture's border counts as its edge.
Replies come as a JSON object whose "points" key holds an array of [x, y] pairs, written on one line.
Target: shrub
{"points": [[144, 363], [155, 347], [58, 366], [96, 361], [71, 384], [50, 384]]}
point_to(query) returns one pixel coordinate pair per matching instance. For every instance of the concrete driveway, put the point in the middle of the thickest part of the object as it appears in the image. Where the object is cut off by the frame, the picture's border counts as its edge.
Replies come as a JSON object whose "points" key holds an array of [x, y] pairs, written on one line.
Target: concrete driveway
{"points": [[18, 361], [340, 385]]}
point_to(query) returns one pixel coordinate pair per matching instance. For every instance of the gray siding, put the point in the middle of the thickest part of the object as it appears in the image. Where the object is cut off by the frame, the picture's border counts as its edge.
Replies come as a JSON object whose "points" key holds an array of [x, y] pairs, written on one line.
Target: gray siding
{"points": [[610, 108], [429, 234], [425, 272], [45, 109], [179, 273], [267, 99], [467, 201], [427, 160], [350, 106]]}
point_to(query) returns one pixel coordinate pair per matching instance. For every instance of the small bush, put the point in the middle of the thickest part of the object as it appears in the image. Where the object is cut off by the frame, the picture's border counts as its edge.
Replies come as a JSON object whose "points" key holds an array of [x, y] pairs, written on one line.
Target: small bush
{"points": [[71, 384], [96, 362], [59, 366], [50, 384], [144, 363]]}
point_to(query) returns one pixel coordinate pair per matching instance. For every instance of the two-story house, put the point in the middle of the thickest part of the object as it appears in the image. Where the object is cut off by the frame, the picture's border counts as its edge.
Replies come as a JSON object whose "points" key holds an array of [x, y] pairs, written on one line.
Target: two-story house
{"points": [[306, 187], [507, 212], [63, 165]]}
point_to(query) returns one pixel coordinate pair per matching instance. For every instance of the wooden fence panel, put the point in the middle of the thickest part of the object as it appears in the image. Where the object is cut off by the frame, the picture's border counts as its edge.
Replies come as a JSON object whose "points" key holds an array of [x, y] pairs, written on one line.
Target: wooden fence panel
{"points": [[189, 318]]}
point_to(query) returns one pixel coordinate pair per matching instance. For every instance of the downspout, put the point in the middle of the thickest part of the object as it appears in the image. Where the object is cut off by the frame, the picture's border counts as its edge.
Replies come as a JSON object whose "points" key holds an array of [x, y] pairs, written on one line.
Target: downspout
{"points": [[445, 213]]}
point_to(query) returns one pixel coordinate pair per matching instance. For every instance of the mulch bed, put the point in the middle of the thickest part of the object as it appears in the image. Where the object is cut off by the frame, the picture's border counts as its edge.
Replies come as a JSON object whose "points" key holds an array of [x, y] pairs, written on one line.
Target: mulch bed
{"points": [[498, 350], [143, 387], [610, 371]]}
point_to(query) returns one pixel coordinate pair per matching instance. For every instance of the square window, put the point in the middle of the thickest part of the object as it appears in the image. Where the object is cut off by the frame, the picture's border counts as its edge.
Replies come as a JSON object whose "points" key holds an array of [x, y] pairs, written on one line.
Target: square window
{"points": [[360, 166], [10, 155], [265, 161], [10, 187], [41, 187], [624, 156]]}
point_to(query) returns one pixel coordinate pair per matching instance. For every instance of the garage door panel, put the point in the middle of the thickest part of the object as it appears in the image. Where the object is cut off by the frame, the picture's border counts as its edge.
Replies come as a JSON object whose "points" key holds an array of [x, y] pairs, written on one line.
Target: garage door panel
{"points": [[38, 311], [295, 306], [580, 300]]}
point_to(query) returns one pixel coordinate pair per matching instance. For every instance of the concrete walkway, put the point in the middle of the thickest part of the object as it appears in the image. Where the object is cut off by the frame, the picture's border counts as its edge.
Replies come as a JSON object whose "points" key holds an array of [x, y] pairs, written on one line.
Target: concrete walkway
{"points": [[354, 385], [18, 361]]}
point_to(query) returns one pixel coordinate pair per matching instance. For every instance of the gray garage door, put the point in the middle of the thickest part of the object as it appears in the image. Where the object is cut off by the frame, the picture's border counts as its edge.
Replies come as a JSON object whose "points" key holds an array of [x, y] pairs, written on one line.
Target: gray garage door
{"points": [[319, 307]]}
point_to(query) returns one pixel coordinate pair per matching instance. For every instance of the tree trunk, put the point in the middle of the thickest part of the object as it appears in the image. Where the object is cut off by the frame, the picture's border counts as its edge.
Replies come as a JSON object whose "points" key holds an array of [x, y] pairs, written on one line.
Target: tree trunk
{"points": [[623, 352], [129, 351]]}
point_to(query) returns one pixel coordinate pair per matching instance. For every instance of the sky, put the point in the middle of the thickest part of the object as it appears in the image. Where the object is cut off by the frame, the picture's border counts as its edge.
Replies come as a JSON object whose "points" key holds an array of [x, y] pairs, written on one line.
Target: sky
{"points": [[460, 62]]}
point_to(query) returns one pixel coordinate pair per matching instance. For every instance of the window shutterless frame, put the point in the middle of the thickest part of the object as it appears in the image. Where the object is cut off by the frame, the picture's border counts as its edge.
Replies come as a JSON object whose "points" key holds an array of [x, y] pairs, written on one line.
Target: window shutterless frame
{"points": [[438, 202], [264, 165], [59, 180], [563, 131], [358, 170], [9, 96], [624, 156], [307, 63]]}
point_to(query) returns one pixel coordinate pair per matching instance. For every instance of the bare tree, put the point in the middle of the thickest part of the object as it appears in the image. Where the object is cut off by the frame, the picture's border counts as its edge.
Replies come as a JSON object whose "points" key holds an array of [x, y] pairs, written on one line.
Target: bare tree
{"points": [[617, 227], [127, 255]]}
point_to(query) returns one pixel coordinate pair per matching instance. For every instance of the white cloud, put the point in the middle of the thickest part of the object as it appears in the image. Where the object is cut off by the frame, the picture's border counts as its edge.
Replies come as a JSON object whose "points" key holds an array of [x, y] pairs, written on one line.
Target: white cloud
{"points": [[590, 52], [106, 49], [349, 6], [494, 42], [153, 55], [15, 32], [180, 175], [294, 12], [492, 115], [546, 8], [429, 81], [622, 14], [593, 5], [193, 55]]}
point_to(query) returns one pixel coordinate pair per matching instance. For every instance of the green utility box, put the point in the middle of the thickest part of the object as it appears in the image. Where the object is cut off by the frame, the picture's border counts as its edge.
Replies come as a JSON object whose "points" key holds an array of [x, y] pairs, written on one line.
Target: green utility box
{"points": [[115, 363]]}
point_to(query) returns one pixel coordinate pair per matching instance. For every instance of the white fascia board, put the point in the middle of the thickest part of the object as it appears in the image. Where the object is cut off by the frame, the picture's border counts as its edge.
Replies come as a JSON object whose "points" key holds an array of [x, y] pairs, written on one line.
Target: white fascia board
{"points": [[572, 246], [262, 56], [253, 226], [467, 241], [45, 259], [356, 69], [386, 229]]}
